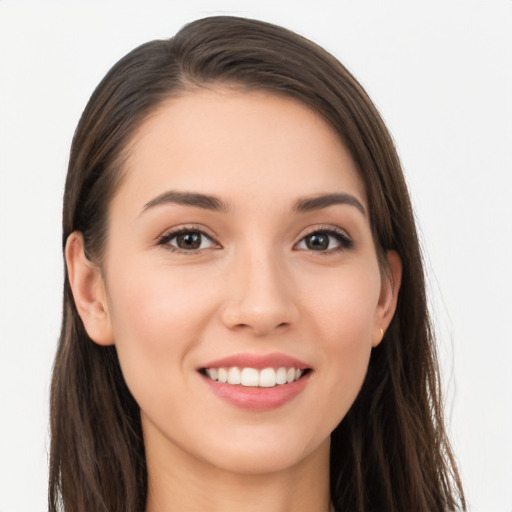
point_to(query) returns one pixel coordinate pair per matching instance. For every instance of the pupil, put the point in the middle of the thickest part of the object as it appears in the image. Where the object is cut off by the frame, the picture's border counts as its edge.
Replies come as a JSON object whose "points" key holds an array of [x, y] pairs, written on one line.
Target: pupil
{"points": [[317, 242], [189, 241]]}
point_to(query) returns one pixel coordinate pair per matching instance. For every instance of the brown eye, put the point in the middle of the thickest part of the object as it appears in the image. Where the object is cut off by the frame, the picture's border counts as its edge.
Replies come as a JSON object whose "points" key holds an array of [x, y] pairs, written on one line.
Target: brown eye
{"points": [[187, 240], [317, 242], [325, 241]]}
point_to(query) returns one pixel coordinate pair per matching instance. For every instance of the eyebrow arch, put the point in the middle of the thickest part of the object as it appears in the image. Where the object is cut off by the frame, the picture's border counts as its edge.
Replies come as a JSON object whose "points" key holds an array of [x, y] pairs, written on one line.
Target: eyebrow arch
{"points": [[213, 203], [188, 199], [323, 201]]}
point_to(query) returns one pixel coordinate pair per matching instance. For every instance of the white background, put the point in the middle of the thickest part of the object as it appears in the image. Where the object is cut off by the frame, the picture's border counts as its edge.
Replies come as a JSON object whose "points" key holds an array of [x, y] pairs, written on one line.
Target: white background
{"points": [[441, 74]]}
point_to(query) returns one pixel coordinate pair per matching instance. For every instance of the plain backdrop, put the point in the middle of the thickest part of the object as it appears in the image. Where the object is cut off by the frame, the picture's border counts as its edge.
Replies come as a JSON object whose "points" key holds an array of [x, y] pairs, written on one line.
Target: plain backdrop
{"points": [[440, 72]]}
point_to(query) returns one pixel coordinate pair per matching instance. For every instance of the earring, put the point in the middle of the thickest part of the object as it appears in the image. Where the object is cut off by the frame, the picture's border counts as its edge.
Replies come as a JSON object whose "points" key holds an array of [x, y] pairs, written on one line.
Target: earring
{"points": [[381, 334]]}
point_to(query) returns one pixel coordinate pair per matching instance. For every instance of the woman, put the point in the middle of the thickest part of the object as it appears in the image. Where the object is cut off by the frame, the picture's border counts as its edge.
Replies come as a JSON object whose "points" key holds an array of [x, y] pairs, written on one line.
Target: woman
{"points": [[245, 322]]}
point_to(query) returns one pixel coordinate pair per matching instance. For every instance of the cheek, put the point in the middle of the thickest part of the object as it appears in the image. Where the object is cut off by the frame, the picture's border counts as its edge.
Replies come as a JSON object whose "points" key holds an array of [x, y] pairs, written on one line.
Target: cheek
{"points": [[343, 305], [154, 305], [157, 319], [342, 319]]}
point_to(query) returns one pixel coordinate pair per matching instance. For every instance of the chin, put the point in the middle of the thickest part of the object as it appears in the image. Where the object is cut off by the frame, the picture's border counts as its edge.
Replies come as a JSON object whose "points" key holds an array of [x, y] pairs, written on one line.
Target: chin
{"points": [[261, 454]]}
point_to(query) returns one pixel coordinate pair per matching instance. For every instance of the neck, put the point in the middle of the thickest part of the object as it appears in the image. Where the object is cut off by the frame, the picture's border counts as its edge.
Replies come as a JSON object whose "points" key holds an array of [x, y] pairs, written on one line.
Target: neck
{"points": [[177, 481]]}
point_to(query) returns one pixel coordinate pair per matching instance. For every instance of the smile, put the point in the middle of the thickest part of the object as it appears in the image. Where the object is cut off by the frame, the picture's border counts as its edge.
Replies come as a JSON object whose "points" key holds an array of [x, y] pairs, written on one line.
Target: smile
{"points": [[256, 382], [252, 377], [256, 397]]}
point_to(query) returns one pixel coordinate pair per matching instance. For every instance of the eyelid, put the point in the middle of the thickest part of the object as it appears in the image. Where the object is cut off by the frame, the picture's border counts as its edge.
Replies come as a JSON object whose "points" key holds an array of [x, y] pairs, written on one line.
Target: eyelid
{"points": [[169, 234], [324, 227], [346, 243]]}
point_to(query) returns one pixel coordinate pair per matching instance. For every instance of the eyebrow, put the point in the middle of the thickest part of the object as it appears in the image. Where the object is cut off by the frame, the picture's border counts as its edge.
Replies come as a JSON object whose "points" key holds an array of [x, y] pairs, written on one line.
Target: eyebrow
{"points": [[325, 200], [188, 199], [208, 202]]}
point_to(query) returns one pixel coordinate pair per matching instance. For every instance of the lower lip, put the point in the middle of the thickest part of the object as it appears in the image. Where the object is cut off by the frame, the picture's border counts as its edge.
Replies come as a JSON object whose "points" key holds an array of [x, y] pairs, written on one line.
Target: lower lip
{"points": [[256, 398]]}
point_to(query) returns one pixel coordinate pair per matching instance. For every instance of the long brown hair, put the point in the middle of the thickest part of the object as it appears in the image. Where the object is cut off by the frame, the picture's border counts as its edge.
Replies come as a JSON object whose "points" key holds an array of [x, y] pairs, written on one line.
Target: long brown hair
{"points": [[390, 452]]}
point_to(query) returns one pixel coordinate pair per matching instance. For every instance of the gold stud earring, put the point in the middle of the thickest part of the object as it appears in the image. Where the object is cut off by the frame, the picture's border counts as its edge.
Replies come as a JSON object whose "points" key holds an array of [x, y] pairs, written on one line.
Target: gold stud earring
{"points": [[381, 334]]}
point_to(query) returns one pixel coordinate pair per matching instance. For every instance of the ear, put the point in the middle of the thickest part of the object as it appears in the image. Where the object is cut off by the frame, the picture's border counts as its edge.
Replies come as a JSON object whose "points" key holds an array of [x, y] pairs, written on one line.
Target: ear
{"points": [[390, 287], [88, 290]]}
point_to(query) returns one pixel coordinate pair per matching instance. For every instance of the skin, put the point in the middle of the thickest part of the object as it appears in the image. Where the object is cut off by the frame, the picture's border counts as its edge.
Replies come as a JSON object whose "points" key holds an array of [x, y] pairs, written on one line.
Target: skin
{"points": [[254, 286]]}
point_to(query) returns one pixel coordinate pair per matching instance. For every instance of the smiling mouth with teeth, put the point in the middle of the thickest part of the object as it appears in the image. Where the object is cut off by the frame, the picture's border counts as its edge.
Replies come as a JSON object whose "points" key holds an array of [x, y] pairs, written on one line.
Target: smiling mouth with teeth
{"points": [[251, 377]]}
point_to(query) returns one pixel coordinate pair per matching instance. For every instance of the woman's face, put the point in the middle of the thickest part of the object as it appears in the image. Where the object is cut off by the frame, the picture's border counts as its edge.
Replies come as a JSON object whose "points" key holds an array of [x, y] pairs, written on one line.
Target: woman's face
{"points": [[240, 238]]}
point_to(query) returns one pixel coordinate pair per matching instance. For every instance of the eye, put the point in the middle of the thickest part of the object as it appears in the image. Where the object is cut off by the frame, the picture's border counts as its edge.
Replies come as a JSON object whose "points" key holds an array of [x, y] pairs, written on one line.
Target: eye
{"points": [[187, 240], [325, 240]]}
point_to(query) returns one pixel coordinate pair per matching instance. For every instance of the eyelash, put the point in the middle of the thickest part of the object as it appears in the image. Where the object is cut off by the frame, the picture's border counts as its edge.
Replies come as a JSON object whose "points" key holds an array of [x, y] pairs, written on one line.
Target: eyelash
{"points": [[344, 241], [165, 239]]}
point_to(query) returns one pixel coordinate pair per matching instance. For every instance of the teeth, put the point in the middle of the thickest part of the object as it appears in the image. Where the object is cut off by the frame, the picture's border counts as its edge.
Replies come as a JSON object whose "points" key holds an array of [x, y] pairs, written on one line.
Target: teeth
{"points": [[223, 375], [267, 378], [234, 376], [251, 377], [281, 376]]}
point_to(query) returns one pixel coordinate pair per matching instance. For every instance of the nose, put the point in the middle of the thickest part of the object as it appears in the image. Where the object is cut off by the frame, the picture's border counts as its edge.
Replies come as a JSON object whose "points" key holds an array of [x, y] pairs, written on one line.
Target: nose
{"points": [[259, 296]]}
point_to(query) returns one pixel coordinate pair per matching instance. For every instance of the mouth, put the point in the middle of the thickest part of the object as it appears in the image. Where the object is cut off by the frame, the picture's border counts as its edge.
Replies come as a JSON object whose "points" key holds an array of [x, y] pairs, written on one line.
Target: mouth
{"points": [[256, 382], [253, 377]]}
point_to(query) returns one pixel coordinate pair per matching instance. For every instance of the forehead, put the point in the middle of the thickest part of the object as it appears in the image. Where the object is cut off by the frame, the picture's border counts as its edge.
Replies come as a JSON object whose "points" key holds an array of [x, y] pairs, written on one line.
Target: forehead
{"points": [[238, 144]]}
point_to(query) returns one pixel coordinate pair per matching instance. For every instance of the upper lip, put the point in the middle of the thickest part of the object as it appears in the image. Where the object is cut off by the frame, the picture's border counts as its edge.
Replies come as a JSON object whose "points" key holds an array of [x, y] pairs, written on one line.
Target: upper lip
{"points": [[258, 361]]}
